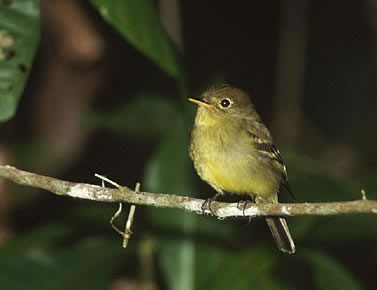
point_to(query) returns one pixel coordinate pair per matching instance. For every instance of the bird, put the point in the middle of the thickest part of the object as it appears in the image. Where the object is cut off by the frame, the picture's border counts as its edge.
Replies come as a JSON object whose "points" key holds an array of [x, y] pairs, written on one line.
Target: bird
{"points": [[233, 151]]}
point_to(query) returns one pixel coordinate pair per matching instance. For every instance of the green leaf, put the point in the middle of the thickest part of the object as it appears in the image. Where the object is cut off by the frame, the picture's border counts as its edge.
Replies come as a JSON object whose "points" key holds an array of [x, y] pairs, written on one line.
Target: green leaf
{"points": [[139, 23], [219, 268], [169, 170], [177, 259], [329, 273], [311, 182], [351, 229], [146, 115], [26, 271], [40, 237], [19, 38], [87, 265]]}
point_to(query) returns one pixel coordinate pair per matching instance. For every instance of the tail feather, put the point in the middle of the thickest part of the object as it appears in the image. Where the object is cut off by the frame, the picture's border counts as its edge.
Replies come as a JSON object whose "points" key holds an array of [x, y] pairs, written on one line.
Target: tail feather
{"points": [[281, 234]]}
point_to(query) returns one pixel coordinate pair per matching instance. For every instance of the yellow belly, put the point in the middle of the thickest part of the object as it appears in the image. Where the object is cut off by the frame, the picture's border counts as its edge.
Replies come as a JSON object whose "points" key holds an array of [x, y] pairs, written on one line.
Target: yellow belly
{"points": [[224, 156], [227, 167], [240, 177]]}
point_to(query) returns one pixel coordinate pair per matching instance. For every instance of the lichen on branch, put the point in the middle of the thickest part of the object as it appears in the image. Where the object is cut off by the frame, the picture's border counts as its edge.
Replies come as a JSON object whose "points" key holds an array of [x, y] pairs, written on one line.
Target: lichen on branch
{"points": [[165, 200]]}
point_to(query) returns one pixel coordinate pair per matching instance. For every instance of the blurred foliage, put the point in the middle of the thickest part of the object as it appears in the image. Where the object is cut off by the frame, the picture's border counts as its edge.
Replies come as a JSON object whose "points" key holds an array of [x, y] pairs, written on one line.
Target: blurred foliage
{"points": [[329, 273], [177, 257], [139, 23], [19, 39], [35, 262], [158, 113], [76, 249], [230, 269]]}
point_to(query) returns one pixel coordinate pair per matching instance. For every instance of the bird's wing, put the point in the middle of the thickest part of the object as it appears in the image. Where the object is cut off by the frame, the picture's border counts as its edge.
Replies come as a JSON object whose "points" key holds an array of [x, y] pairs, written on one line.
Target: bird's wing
{"points": [[267, 148]]}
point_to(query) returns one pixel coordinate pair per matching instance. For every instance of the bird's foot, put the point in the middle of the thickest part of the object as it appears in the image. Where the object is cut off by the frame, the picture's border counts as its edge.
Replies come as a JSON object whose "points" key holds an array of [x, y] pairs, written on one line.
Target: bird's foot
{"points": [[242, 205], [207, 204]]}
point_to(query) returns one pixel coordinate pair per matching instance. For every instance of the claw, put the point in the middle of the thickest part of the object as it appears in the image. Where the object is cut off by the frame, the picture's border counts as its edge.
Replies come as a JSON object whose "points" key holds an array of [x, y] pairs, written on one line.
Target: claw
{"points": [[207, 204], [242, 204]]}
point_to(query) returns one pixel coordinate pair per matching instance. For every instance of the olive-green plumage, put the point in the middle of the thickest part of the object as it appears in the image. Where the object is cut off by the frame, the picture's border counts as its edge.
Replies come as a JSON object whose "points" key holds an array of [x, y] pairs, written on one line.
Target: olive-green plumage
{"points": [[233, 151]]}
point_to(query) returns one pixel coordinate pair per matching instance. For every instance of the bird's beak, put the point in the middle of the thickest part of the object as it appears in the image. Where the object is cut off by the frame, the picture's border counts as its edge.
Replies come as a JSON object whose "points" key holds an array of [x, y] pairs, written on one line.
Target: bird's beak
{"points": [[200, 103]]}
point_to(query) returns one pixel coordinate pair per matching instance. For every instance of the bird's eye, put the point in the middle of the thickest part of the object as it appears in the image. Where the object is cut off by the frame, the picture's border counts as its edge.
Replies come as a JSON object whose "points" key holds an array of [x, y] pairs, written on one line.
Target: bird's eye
{"points": [[225, 103]]}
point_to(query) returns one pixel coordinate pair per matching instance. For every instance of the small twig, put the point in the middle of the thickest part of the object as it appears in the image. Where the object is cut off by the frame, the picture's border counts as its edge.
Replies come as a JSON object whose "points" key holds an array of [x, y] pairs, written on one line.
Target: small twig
{"points": [[127, 230], [104, 178], [220, 209], [363, 195], [126, 234], [116, 215], [119, 211]]}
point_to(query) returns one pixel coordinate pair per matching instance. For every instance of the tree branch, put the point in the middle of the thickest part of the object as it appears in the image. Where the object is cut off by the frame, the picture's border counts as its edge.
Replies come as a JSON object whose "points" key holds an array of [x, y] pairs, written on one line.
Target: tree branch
{"points": [[219, 209]]}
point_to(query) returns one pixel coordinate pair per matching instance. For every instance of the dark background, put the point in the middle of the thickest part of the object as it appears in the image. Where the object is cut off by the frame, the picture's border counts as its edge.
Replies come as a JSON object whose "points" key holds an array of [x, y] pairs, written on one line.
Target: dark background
{"points": [[311, 69]]}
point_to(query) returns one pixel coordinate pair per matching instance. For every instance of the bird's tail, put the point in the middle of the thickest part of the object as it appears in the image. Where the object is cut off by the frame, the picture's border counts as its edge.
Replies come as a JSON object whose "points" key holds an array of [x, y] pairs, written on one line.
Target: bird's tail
{"points": [[281, 234]]}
